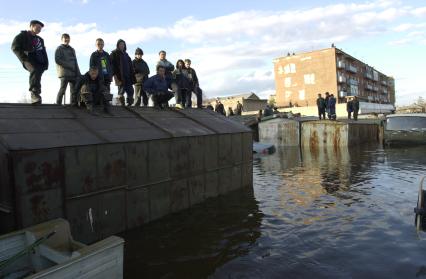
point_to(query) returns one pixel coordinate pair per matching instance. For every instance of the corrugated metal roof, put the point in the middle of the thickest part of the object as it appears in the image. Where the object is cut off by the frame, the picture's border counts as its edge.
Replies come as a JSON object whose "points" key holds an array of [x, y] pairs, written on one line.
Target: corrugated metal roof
{"points": [[26, 127]]}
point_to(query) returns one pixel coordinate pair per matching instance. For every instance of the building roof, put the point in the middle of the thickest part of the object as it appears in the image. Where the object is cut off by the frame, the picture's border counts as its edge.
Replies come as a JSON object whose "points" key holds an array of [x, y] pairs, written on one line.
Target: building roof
{"points": [[246, 96], [28, 127]]}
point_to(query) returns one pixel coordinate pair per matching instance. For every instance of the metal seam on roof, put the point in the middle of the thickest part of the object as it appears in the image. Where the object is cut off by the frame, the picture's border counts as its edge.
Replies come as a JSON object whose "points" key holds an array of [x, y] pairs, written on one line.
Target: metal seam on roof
{"points": [[86, 127], [148, 121], [198, 122]]}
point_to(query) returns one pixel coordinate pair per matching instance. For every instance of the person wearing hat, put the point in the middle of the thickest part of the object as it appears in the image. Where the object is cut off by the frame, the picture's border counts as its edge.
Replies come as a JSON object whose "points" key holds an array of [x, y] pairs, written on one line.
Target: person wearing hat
{"points": [[30, 50], [141, 75]]}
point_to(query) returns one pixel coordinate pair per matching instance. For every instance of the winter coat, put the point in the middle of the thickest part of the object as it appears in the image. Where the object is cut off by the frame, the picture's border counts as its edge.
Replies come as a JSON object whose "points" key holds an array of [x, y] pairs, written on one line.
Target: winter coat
{"points": [[141, 70], [24, 47], [192, 76], [180, 76], [118, 58], [167, 65], [155, 84], [102, 61], [349, 106], [321, 103], [66, 62], [92, 91], [355, 105]]}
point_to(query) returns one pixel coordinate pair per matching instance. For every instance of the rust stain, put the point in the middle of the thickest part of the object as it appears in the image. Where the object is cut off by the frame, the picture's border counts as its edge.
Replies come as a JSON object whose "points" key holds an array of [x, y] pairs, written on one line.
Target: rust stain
{"points": [[313, 143], [115, 168], [46, 176]]}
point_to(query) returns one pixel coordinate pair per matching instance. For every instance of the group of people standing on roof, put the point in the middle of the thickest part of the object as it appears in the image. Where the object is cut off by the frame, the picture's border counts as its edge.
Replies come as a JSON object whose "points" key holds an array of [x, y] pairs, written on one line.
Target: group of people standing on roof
{"points": [[130, 76], [328, 105]]}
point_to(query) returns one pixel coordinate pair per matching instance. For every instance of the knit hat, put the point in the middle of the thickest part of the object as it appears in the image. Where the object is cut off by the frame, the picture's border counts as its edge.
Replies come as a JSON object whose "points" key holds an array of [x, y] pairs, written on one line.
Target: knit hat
{"points": [[34, 22]]}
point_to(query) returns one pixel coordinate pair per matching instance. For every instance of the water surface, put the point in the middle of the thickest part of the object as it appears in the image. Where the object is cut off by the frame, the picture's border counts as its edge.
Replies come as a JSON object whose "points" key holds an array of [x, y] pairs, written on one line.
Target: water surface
{"points": [[328, 213]]}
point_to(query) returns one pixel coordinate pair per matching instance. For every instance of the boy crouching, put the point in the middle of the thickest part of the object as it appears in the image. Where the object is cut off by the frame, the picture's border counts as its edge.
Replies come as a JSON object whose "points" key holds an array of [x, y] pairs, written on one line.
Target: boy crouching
{"points": [[93, 91]]}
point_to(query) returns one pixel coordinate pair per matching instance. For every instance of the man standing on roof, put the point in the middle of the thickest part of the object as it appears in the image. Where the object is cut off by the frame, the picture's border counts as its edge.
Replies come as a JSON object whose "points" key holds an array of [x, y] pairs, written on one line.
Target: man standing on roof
{"points": [[141, 74], [124, 74], [195, 86], [30, 50], [67, 69], [101, 60]]}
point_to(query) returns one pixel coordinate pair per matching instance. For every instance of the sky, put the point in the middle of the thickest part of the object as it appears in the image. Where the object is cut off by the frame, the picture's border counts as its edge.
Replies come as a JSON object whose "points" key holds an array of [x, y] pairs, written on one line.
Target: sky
{"points": [[231, 43]]}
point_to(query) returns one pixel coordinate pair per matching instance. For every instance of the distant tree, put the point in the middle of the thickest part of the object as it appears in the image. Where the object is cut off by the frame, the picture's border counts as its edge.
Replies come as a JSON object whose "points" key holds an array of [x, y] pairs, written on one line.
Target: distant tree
{"points": [[272, 101]]}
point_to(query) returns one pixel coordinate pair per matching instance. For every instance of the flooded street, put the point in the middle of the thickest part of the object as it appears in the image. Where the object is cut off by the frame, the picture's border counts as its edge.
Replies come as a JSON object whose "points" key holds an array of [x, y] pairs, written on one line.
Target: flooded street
{"points": [[333, 213]]}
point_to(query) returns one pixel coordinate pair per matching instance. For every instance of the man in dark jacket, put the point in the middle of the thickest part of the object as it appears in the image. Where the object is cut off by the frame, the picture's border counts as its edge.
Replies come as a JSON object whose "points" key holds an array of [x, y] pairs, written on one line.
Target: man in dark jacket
{"points": [[327, 109], [157, 87], [93, 91], [355, 106], [67, 69], [195, 86], [30, 50], [141, 75], [239, 108], [219, 108], [124, 74], [349, 107], [332, 107], [321, 107], [101, 60]]}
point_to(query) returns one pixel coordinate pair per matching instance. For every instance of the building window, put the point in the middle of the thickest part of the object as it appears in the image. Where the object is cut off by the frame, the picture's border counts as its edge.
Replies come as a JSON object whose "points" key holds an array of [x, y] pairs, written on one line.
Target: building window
{"points": [[287, 82], [290, 68], [302, 94], [354, 90], [309, 79]]}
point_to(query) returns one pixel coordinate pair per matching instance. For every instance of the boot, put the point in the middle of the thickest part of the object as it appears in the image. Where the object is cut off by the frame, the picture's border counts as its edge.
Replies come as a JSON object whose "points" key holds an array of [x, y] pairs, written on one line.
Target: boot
{"points": [[121, 100], [130, 101], [35, 98]]}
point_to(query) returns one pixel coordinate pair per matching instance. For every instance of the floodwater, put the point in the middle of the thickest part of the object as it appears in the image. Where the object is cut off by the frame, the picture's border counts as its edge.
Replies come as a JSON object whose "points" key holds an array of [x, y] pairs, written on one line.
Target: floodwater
{"points": [[329, 213]]}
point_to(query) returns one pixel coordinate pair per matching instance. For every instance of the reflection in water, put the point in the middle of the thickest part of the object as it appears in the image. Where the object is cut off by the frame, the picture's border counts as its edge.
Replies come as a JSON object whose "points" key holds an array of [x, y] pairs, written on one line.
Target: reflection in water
{"points": [[326, 213], [193, 243]]}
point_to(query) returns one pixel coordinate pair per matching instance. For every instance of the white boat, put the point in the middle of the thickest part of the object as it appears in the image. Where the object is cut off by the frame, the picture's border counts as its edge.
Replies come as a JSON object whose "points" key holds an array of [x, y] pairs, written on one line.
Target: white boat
{"points": [[47, 250]]}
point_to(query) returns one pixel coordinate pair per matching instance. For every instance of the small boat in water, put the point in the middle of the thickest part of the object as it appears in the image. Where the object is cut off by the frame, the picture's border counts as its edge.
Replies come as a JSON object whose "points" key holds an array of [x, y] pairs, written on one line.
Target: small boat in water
{"points": [[47, 250], [405, 129]]}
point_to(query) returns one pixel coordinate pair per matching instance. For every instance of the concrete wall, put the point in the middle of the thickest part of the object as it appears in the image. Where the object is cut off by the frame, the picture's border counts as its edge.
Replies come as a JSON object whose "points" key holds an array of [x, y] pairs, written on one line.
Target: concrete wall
{"points": [[280, 131], [286, 132], [316, 134]]}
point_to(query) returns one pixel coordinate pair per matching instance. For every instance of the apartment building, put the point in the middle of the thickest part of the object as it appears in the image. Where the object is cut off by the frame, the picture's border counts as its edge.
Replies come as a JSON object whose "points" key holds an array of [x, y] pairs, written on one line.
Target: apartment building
{"points": [[300, 77]]}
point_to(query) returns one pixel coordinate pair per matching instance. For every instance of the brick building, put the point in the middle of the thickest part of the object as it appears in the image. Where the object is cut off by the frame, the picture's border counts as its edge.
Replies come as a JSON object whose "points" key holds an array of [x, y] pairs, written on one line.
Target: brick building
{"points": [[300, 77]]}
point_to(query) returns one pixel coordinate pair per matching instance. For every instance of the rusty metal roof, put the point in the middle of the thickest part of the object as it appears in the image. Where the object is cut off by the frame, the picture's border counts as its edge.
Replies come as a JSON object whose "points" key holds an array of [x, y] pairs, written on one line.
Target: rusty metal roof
{"points": [[27, 127]]}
